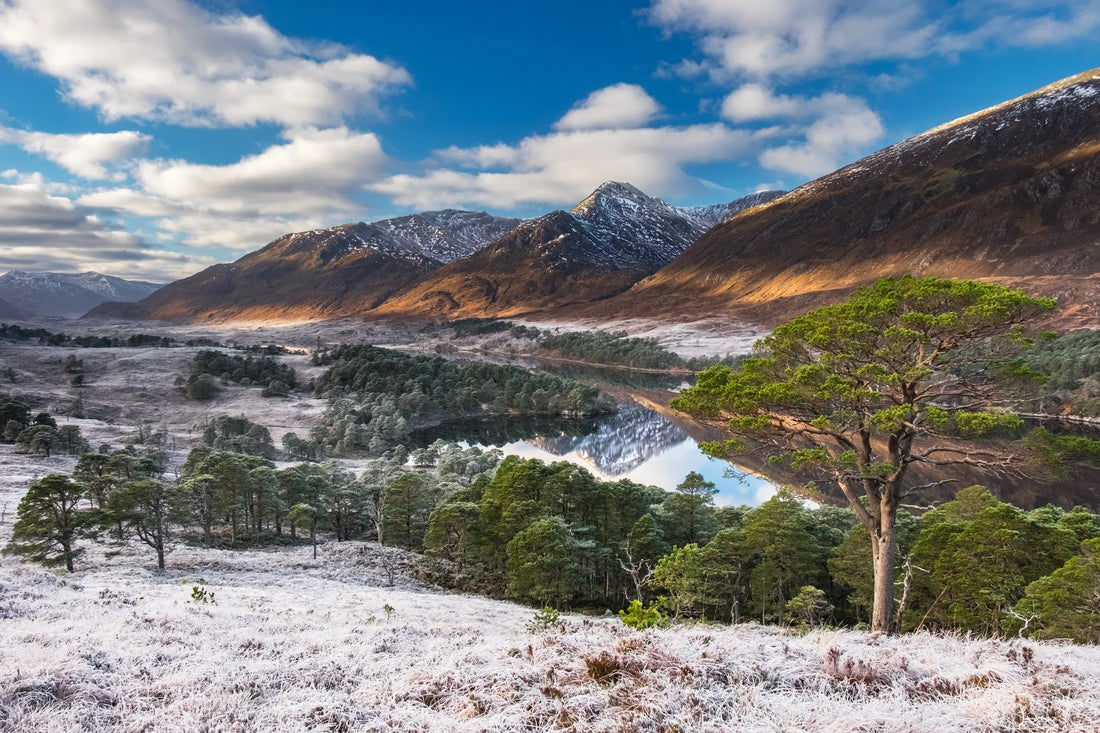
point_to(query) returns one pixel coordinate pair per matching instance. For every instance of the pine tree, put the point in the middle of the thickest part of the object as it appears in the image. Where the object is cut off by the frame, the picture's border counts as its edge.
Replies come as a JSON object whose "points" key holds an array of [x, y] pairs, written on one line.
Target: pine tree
{"points": [[49, 522]]}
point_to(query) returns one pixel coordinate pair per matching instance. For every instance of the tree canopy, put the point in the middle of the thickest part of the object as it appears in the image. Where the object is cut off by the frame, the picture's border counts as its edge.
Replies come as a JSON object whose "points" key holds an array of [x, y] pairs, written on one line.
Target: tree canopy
{"points": [[909, 372]]}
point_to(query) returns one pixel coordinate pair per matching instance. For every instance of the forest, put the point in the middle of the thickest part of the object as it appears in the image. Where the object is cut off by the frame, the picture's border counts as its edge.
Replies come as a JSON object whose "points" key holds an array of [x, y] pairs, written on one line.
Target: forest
{"points": [[553, 535], [379, 396]]}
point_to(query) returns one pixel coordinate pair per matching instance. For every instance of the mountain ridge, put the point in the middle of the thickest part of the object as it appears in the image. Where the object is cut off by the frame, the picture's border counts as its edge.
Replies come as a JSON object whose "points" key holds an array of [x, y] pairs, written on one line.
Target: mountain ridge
{"points": [[1009, 194], [603, 245], [321, 273], [67, 295]]}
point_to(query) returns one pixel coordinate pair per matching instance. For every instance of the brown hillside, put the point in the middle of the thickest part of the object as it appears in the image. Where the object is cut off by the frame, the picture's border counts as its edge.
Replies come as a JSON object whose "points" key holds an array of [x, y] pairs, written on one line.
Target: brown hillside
{"points": [[1010, 194], [318, 274]]}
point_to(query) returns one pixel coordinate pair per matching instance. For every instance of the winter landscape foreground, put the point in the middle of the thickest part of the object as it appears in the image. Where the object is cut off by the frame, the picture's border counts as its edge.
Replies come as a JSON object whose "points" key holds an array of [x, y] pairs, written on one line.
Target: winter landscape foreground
{"points": [[350, 642]]}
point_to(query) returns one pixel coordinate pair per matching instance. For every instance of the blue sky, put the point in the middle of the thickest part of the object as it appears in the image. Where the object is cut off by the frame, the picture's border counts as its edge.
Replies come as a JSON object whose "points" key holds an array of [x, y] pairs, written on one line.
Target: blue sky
{"points": [[151, 138]]}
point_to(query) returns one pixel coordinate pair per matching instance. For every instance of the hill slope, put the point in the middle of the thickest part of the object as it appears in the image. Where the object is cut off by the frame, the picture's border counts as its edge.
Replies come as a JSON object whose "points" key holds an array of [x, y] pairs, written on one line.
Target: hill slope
{"points": [[334, 272], [67, 295], [600, 247], [1011, 194]]}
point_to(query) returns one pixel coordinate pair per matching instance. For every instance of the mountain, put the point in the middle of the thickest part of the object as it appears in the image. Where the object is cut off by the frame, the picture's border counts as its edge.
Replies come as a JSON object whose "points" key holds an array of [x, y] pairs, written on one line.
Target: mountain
{"points": [[324, 273], [9, 312], [602, 246], [66, 295], [1009, 194]]}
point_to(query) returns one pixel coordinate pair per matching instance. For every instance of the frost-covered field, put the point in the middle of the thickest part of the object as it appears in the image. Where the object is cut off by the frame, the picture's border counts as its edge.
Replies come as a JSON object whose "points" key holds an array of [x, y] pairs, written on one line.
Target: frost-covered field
{"points": [[297, 644], [352, 642]]}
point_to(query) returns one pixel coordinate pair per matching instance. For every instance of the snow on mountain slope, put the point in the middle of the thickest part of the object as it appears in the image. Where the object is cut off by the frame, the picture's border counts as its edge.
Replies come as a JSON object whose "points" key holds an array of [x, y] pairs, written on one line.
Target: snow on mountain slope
{"points": [[68, 295], [711, 215]]}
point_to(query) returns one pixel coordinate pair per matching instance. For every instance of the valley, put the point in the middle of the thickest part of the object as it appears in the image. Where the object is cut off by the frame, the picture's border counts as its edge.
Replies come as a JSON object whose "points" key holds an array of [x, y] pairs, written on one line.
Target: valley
{"points": [[356, 639], [450, 470]]}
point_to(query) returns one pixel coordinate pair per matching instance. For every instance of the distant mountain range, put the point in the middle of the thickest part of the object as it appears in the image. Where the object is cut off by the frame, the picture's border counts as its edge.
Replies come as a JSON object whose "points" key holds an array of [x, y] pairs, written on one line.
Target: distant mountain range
{"points": [[445, 263], [1010, 194], [602, 246], [56, 294], [324, 273]]}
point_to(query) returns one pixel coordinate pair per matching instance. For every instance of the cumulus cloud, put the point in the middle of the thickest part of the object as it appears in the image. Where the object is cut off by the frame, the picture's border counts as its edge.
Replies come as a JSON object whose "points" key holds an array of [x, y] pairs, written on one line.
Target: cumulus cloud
{"points": [[85, 155], [822, 130], [171, 60], [785, 38], [302, 183], [563, 167], [827, 143], [43, 231], [616, 106]]}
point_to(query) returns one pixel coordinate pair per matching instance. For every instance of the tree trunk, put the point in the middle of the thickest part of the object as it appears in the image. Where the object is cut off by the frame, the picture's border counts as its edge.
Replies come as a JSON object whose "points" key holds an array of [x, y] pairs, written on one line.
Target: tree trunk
{"points": [[885, 549], [160, 540]]}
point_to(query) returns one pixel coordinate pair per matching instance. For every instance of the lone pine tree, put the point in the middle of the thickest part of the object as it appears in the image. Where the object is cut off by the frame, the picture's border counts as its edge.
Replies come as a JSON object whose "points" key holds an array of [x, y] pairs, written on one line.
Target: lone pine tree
{"points": [[907, 373]]}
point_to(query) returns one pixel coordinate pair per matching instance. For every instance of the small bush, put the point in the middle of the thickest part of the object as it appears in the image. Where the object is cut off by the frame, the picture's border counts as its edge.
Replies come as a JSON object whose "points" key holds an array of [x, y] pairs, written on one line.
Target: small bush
{"points": [[544, 620], [199, 594], [637, 616]]}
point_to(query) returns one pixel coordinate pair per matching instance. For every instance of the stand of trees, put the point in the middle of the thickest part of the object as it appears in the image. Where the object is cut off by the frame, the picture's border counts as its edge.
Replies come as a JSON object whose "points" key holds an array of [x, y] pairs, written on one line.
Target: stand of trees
{"points": [[13, 332], [554, 535], [378, 396], [277, 380], [906, 375]]}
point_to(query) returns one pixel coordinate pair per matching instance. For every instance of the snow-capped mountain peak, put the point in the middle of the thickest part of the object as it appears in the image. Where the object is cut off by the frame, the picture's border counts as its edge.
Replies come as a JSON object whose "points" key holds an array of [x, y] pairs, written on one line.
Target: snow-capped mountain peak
{"points": [[68, 295]]}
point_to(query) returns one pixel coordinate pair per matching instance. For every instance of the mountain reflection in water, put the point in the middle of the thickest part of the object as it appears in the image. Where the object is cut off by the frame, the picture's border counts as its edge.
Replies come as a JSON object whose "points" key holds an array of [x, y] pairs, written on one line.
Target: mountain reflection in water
{"points": [[635, 443]]}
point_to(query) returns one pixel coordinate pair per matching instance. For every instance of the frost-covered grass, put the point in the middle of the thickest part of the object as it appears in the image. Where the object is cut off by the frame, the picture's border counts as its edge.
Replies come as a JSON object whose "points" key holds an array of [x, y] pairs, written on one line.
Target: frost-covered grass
{"points": [[300, 644], [352, 642]]}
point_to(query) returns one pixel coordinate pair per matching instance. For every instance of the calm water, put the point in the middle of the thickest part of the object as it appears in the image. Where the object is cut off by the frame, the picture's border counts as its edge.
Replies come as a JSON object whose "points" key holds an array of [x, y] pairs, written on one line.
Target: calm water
{"points": [[636, 443]]}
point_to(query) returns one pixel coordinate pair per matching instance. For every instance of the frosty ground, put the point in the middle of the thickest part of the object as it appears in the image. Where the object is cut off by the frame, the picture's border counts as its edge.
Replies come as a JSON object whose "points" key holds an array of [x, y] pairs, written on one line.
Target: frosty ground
{"points": [[352, 641]]}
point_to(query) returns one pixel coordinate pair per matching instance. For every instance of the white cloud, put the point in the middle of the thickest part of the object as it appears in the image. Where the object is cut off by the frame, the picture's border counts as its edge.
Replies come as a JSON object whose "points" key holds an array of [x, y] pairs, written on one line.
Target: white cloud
{"points": [[838, 135], [757, 102], [312, 172], [304, 183], [821, 131], [85, 155], [45, 232], [561, 168], [787, 38], [616, 106], [174, 61]]}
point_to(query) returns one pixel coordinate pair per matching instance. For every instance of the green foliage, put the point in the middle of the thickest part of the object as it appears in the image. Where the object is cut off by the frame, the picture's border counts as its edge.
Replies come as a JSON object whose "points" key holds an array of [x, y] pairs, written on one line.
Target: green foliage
{"points": [[687, 515], [248, 370], [12, 332], [542, 564], [781, 535], [616, 348], [1058, 450], [1066, 603], [680, 573], [200, 594], [985, 568], [201, 388], [1073, 365], [809, 607], [379, 397], [544, 620], [855, 394], [49, 521], [240, 435], [407, 509], [640, 617]]}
